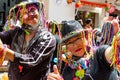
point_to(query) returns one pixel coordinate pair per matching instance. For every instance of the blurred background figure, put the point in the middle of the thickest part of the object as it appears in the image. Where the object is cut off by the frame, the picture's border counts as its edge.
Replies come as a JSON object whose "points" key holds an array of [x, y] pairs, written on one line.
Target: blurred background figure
{"points": [[96, 36], [88, 24], [109, 29]]}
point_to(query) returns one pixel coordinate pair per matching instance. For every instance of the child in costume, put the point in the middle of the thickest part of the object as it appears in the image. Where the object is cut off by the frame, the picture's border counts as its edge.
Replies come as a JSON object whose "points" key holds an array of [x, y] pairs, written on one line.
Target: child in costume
{"points": [[78, 66], [31, 45]]}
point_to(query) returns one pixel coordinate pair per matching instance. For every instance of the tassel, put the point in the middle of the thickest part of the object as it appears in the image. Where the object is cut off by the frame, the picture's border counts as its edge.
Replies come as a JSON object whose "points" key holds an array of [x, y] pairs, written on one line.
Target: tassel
{"points": [[115, 53]]}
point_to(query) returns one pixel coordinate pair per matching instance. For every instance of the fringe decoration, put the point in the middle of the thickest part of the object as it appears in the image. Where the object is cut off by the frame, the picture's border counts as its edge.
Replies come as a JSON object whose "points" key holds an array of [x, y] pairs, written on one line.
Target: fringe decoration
{"points": [[115, 53], [107, 33]]}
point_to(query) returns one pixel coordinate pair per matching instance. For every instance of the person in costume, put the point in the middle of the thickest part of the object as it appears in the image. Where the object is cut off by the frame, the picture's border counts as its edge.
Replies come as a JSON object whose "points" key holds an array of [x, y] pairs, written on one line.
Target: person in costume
{"points": [[96, 36], [31, 45], [109, 29], [79, 66], [88, 24], [89, 34]]}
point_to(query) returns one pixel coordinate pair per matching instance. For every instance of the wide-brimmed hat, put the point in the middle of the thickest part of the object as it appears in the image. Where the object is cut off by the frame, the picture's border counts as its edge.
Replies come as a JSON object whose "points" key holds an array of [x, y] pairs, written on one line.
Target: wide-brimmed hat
{"points": [[70, 29]]}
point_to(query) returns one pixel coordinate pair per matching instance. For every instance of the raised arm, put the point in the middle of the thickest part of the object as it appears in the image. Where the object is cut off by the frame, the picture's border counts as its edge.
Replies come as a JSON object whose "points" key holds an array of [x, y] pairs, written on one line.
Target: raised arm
{"points": [[112, 53]]}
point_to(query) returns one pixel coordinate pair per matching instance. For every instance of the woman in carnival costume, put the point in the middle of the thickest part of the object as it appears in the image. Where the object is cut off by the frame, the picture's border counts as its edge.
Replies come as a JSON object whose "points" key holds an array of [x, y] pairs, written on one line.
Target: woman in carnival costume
{"points": [[31, 45], [78, 66]]}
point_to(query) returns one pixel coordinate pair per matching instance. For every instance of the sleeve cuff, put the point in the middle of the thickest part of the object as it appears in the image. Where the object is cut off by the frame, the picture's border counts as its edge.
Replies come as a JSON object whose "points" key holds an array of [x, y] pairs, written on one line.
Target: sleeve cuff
{"points": [[17, 55]]}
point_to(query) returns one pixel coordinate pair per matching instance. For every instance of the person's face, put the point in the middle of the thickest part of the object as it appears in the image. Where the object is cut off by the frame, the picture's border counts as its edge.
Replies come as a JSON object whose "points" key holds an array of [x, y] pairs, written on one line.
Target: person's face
{"points": [[76, 46], [111, 17], [30, 16], [90, 23]]}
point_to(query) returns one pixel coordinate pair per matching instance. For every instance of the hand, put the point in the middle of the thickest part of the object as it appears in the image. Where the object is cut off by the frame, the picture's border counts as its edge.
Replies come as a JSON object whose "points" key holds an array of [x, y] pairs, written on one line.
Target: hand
{"points": [[2, 50], [1, 42], [54, 75], [1, 45]]}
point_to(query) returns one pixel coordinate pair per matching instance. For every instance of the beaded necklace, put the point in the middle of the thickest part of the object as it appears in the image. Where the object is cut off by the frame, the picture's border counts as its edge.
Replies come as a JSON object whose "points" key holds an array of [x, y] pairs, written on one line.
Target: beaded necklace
{"points": [[76, 63]]}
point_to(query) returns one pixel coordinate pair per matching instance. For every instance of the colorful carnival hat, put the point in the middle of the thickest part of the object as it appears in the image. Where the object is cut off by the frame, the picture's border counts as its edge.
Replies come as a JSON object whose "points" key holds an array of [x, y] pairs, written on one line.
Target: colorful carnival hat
{"points": [[26, 4], [70, 29], [17, 8]]}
